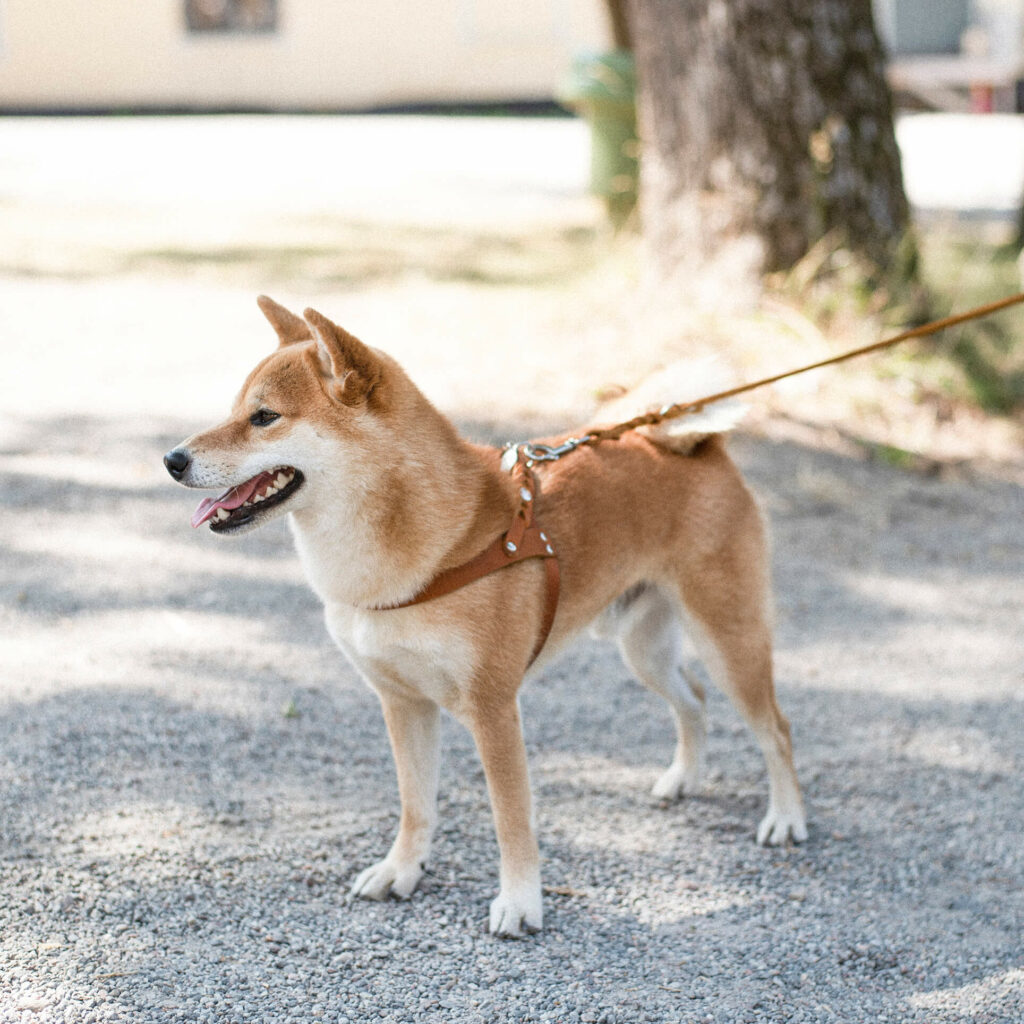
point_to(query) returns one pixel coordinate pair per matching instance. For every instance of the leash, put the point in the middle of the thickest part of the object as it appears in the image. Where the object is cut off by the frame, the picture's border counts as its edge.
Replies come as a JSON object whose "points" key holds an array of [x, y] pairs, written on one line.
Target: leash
{"points": [[551, 453], [526, 539]]}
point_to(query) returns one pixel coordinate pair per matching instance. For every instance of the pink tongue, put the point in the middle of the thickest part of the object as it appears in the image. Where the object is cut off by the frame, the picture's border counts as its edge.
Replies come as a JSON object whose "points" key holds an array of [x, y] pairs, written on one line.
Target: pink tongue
{"points": [[230, 499]]}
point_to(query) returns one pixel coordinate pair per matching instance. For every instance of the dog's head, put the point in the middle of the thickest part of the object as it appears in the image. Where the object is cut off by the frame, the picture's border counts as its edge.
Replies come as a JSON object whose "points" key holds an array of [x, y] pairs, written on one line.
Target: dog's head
{"points": [[299, 413]]}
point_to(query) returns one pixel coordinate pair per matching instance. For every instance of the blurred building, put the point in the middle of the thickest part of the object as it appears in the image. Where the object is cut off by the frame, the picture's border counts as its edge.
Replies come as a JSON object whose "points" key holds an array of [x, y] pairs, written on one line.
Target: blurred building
{"points": [[287, 54], [955, 54], [347, 54]]}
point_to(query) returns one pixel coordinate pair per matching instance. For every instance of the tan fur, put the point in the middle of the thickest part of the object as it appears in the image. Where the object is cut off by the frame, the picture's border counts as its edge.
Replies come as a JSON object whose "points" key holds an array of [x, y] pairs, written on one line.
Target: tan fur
{"points": [[647, 538]]}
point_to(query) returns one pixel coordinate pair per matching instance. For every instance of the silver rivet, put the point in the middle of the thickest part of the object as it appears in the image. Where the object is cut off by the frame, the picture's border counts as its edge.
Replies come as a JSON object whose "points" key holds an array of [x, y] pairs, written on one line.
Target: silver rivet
{"points": [[509, 546], [543, 535], [550, 550], [525, 494]]}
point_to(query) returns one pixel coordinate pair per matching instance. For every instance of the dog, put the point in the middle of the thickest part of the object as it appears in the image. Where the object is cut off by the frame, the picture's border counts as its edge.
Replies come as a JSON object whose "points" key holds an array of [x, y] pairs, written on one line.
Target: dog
{"points": [[650, 533]]}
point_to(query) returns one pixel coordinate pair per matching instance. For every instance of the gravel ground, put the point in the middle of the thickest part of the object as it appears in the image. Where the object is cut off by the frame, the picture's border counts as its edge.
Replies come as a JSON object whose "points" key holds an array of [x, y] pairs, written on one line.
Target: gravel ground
{"points": [[191, 776]]}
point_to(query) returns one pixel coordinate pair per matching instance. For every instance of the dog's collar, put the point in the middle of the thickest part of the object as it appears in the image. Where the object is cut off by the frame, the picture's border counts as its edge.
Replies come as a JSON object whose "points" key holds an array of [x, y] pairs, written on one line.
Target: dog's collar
{"points": [[524, 539]]}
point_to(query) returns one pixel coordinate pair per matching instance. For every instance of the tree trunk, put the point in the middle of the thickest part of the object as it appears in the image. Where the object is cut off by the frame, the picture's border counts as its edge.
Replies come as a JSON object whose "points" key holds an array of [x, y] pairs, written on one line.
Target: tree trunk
{"points": [[766, 124], [618, 21]]}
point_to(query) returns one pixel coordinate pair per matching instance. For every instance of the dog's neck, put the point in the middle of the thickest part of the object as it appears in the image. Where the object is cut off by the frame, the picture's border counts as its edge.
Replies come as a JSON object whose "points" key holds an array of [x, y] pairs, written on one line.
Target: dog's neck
{"points": [[427, 503]]}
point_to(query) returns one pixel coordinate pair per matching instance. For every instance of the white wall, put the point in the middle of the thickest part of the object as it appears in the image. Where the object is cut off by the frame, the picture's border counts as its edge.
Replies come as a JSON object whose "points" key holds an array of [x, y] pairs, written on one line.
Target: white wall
{"points": [[325, 54]]}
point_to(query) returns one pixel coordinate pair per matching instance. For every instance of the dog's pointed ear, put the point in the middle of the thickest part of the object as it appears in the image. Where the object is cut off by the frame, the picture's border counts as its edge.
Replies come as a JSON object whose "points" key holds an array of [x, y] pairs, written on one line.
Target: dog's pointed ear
{"points": [[353, 367], [288, 327]]}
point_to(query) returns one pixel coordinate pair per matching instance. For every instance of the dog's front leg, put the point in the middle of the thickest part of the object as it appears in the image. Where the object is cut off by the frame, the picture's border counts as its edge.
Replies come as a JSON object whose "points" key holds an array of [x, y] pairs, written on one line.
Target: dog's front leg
{"points": [[414, 729], [499, 739]]}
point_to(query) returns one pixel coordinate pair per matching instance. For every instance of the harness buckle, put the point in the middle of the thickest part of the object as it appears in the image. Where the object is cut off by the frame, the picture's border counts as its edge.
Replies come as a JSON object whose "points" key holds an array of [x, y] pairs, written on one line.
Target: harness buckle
{"points": [[552, 453]]}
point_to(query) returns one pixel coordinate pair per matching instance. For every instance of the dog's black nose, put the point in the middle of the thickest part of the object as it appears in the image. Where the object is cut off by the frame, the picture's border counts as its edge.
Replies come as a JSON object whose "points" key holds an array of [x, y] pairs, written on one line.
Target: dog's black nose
{"points": [[177, 461]]}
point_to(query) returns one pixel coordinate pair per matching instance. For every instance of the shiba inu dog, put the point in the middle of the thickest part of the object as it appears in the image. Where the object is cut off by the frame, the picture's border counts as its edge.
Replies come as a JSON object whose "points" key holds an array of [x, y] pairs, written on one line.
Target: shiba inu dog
{"points": [[645, 534]]}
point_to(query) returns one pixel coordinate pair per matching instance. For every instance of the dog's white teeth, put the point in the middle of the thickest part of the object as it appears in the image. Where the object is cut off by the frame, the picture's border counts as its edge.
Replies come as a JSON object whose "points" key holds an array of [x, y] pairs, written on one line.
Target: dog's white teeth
{"points": [[222, 514], [281, 480]]}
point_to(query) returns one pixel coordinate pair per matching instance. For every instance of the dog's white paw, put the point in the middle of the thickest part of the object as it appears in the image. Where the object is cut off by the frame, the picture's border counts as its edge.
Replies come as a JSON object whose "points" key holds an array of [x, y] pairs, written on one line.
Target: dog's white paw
{"points": [[516, 911], [674, 782], [779, 827], [387, 878]]}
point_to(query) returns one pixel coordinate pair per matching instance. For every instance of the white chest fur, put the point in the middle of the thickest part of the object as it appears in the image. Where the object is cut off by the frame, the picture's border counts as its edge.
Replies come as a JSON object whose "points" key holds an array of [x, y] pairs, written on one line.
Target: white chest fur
{"points": [[407, 650]]}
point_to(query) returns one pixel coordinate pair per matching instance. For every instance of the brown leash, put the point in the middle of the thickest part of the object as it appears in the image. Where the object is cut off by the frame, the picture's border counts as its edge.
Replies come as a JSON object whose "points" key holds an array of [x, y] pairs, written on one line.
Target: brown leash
{"points": [[548, 453], [525, 539]]}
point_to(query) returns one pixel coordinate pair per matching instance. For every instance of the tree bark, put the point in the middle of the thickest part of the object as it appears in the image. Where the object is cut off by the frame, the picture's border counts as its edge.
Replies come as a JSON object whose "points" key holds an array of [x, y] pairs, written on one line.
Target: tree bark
{"points": [[618, 21], [766, 124]]}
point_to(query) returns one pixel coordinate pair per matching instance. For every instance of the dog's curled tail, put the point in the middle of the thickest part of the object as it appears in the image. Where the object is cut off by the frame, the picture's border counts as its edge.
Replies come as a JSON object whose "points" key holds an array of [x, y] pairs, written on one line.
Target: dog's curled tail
{"points": [[681, 382]]}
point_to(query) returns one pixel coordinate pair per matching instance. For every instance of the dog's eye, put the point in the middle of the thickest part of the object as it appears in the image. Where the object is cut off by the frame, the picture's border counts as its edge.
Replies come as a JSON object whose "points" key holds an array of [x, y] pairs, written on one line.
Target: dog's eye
{"points": [[262, 417]]}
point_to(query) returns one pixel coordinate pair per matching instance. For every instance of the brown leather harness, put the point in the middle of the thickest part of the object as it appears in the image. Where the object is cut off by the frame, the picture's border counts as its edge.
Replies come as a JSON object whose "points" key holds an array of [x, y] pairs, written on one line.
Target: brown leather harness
{"points": [[524, 539]]}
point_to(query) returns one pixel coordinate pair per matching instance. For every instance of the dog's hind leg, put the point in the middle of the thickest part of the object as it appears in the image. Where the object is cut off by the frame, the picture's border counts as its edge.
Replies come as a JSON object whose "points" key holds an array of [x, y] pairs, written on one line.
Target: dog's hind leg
{"points": [[650, 641], [414, 729], [729, 622]]}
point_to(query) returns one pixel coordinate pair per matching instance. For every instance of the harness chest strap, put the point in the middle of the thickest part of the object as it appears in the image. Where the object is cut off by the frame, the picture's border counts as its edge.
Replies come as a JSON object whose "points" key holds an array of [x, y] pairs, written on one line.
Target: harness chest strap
{"points": [[524, 539]]}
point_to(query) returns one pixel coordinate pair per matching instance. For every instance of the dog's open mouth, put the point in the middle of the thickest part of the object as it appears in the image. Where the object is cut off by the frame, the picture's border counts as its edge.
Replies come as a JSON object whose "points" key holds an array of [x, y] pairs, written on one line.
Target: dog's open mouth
{"points": [[245, 504]]}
